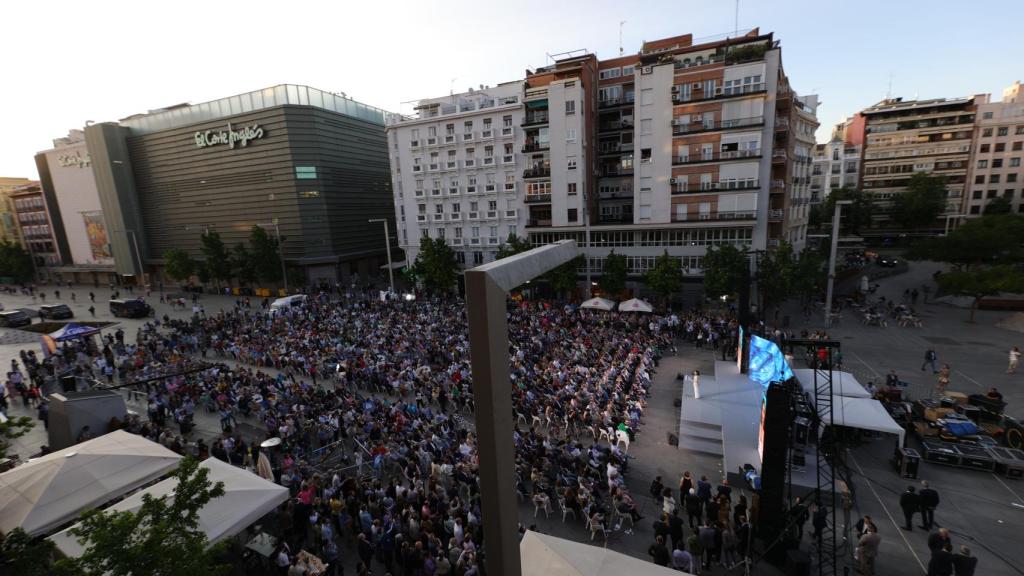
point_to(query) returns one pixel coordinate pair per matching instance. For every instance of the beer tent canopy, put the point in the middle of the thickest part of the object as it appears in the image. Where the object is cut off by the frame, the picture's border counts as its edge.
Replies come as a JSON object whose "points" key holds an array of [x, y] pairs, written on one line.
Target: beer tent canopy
{"points": [[843, 383], [598, 304], [44, 493], [73, 330], [635, 305], [544, 555], [246, 499]]}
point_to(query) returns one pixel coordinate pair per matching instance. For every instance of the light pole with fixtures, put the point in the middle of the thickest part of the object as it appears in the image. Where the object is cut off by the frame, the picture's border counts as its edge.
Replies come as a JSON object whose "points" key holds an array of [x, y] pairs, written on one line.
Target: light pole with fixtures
{"points": [[832, 259], [387, 242]]}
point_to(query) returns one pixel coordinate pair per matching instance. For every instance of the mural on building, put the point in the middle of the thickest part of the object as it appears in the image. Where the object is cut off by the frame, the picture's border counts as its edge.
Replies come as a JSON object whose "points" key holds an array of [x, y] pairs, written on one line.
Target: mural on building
{"points": [[97, 232]]}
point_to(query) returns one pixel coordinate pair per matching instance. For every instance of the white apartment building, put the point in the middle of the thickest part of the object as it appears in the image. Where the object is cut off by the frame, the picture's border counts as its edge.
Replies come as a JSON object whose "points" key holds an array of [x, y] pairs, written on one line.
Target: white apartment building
{"points": [[804, 122], [997, 155], [457, 171], [837, 163]]}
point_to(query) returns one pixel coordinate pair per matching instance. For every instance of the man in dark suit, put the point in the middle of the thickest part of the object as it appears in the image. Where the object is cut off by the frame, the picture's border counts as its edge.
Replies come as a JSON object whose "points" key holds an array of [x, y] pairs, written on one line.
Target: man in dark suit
{"points": [[929, 502], [675, 528], [941, 563], [963, 563], [910, 503], [744, 533], [936, 540], [693, 505]]}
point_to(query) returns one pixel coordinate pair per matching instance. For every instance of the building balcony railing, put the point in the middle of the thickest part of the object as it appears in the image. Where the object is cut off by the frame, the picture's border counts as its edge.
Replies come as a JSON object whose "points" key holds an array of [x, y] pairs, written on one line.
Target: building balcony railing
{"points": [[620, 170], [534, 222], [779, 156], [615, 126], [679, 128], [535, 118], [615, 219], [736, 215], [537, 172], [680, 186], [775, 215], [717, 156], [778, 184], [610, 148], [612, 102], [537, 198], [721, 92], [536, 146], [773, 242]]}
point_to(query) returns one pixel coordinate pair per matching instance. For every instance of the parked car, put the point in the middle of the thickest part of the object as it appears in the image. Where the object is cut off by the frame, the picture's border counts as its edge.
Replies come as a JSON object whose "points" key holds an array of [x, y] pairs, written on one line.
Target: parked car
{"points": [[888, 262], [130, 308], [14, 318], [56, 312]]}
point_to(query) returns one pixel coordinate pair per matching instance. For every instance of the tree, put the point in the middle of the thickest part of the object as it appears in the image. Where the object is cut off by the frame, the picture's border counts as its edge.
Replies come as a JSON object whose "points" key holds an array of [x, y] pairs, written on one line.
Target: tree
{"points": [[241, 260], [23, 555], [563, 278], [923, 201], [218, 259], [979, 283], [999, 205], [775, 275], [613, 275], [666, 277], [12, 428], [993, 239], [178, 264], [856, 215], [161, 538], [15, 262], [436, 265], [808, 276], [266, 260], [513, 245], [725, 267]]}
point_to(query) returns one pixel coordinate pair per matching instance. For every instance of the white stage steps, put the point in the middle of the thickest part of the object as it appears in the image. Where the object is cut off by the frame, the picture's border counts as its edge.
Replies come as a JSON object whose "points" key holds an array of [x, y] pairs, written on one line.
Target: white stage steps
{"points": [[700, 423]]}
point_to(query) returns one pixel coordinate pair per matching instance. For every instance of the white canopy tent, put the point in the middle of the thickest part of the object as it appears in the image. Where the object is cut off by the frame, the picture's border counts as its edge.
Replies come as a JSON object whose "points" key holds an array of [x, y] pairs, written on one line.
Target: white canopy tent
{"points": [[635, 305], [865, 414], [843, 383], [544, 555], [46, 492], [598, 304], [247, 497]]}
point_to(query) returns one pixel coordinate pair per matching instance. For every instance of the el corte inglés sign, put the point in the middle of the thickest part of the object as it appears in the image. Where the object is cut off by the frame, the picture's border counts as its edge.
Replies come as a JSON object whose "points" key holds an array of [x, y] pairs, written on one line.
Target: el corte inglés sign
{"points": [[75, 159], [242, 136]]}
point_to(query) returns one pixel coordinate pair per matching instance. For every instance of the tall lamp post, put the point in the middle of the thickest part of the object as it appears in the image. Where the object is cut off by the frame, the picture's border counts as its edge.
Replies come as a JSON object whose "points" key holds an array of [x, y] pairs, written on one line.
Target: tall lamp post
{"points": [[280, 251], [387, 242], [832, 259]]}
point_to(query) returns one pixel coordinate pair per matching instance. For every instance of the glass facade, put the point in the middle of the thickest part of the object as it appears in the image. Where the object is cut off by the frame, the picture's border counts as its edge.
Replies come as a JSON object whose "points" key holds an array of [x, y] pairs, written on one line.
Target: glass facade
{"points": [[249, 102]]}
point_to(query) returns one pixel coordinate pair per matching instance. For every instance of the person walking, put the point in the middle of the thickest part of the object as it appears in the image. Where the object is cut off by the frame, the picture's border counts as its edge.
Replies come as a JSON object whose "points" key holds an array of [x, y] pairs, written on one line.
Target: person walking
{"points": [[819, 521], [910, 503], [943, 381], [941, 563], [929, 502], [929, 358], [1014, 360], [867, 551], [963, 563]]}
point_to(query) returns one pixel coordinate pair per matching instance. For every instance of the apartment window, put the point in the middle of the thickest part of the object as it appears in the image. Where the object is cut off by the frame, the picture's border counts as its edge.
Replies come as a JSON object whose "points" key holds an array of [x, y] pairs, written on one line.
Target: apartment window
{"points": [[991, 194], [449, 129], [571, 163], [1000, 147], [487, 123], [305, 172], [1011, 177], [438, 208], [570, 135], [467, 127], [571, 215], [979, 179], [1019, 130], [474, 206], [984, 148], [478, 258], [976, 195], [1017, 146], [645, 126], [570, 188], [440, 233], [506, 121], [1008, 194], [492, 205], [512, 230], [982, 163], [645, 155], [993, 179], [476, 231], [1014, 162], [431, 131], [570, 107], [494, 231], [975, 209], [309, 194], [986, 115], [460, 257], [458, 232], [997, 162], [1003, 131], [646, 96], [986, 133], [628, 70], [610, 73], [709, 88]]}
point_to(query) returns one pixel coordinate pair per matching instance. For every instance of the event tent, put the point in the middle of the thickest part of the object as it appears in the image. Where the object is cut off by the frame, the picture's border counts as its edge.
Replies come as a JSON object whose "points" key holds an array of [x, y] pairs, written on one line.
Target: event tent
{"points": [[246, 499], [635, 305], [544, 555], [863, 413], [843, 383], [598, 304], [44, 493], [72, 331]]}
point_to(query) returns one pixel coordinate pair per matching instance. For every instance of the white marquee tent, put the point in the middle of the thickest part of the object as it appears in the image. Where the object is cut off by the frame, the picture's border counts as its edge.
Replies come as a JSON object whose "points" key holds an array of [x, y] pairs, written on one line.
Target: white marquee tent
{"points": [[865, 414], [247, 497], [843, 383], [598, 304], [635, 305], [44, 493], [544, 555]]}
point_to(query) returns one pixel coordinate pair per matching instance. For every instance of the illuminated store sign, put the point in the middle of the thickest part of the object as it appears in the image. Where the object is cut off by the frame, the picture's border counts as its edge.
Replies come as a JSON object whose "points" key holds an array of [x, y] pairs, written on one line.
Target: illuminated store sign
{"points": [[242, 136], [75, 159]]}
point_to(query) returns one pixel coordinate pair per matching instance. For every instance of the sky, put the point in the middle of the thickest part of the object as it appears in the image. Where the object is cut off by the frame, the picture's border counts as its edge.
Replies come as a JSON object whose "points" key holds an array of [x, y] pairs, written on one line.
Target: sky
{"points": [[63, 63]]}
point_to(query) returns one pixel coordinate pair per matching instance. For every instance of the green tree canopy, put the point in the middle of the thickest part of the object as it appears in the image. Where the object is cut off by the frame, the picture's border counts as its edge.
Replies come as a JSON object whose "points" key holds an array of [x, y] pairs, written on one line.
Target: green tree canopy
{"points": [[23, 555], [922, 203], [855, 216], [563, 279], [241, 260], [218, 258], [266, 259], [666, 277], [613, 275], [162, 538], [178, 264], [725, 267], [999, 205], [981, 282], [993, 239], [436, 265], [775, 272], [808, 275], [513, 245], [15, 262], [13, 428]]}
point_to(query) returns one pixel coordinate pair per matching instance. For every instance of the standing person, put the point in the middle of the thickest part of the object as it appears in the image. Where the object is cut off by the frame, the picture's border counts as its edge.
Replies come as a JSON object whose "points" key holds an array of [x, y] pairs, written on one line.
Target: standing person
{"points": [[685, 483], [867, 551], [929, 502], [941, 563], [1014, 360], [910, 503], [675, 529], [657, 487], [707, 543], [659, 552], [929, 358], [936, 540], [943, 381], [693, 506], [963, 563], [696, 384], [819, 521]]}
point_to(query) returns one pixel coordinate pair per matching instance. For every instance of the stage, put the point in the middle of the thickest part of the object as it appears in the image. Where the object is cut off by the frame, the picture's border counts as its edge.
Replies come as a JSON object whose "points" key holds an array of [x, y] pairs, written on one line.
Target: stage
{"points": [[725, 422]]}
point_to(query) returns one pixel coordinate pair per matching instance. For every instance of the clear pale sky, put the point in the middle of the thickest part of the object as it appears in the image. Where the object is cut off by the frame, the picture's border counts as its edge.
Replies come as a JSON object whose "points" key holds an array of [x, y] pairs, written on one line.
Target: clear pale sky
{"points": [[63, 63]]}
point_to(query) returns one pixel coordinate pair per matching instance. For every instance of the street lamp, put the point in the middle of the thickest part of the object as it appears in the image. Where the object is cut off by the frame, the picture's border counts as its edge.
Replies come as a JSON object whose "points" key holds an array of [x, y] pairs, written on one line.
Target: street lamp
{"points": [[832, 260], [280, 250], [387, 242]]}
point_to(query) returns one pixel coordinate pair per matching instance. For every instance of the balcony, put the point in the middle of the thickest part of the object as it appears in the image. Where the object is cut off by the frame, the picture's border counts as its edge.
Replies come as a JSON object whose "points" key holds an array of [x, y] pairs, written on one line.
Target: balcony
{"points": [[611, 148], [421, 217], [491, 215], [492, 241], [417, 168], [471, 189], [782, 123], [456, 241], [680, 186], [615, 219], [775, 215], [720, 216], [613, 102], [537, 198], [419, 193], [451, 165], [720, 93], [434, 167], [508, 159], [617, 170], [615, 126], [474, 241], [414, 144], [438, 217], [681, 128], [537, 172], [717, 157], [469, 163], [535, 222], [453, 191], [432, 141], [537, 118], [473, 215], [536, 147], [511, 213], [773, 242], [779, 156], [455, 217]]}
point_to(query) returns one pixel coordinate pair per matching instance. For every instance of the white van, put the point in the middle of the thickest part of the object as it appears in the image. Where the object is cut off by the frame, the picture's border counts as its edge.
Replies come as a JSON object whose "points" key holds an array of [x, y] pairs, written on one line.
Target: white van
{"points": [[286, 302]]}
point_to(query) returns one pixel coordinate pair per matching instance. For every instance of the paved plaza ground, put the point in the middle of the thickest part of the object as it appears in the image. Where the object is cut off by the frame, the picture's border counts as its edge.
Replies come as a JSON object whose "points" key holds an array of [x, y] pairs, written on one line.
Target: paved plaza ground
{"points": [[981, 509]]}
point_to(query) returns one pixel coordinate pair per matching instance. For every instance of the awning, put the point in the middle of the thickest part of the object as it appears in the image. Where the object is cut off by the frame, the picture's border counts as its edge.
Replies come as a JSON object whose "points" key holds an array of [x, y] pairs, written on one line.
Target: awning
{"points": [[46, 492], [544, 555], [395, 265], [72, 331], [246, 499], [843, 383], [635, 305], [598, 304], [864, 414]]}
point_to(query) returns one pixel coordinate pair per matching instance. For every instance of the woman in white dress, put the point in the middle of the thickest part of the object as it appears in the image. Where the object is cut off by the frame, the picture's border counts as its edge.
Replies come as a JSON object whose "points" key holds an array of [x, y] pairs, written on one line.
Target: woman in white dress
{"points": [[696, 384]]}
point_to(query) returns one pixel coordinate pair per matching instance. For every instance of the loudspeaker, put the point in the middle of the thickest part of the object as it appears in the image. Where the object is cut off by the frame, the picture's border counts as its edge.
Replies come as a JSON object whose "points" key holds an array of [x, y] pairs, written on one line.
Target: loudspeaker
{"points": [[777, 421], [67, 383]]}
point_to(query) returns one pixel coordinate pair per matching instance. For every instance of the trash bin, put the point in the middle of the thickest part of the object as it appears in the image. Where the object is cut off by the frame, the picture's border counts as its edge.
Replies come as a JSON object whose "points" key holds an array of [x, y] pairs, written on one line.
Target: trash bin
{"points": [[909, 462]]}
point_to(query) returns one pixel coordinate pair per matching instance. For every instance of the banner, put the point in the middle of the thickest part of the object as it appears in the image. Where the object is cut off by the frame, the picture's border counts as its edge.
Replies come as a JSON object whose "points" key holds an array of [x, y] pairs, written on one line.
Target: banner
{"points": [[96, 230]]}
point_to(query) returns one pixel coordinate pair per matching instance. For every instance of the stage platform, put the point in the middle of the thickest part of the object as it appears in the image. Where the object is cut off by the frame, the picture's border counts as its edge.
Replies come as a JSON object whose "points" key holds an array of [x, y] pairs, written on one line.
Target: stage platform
{"points": [[725, 422]]}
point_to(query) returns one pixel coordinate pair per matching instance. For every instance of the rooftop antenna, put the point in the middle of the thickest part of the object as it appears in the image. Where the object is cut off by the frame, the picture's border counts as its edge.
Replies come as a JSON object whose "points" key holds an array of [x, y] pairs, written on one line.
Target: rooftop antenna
{"points": [[888, 93], [621, 22], [736, 19], [451, 87]]}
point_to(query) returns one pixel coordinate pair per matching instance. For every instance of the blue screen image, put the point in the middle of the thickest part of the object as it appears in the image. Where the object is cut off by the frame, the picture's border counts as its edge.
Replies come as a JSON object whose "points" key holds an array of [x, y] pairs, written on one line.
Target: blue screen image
{"points": [[767, 364]]}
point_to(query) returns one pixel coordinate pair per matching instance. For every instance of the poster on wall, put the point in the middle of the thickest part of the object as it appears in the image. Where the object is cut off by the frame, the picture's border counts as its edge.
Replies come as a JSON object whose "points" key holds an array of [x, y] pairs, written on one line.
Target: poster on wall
{"points": [[96, 230]]}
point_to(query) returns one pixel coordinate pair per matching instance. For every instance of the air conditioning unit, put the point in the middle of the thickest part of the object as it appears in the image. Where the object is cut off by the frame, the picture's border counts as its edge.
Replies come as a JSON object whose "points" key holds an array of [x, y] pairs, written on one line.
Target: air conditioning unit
{"points": [[672, 181], [647, 69], [698, 86]]}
